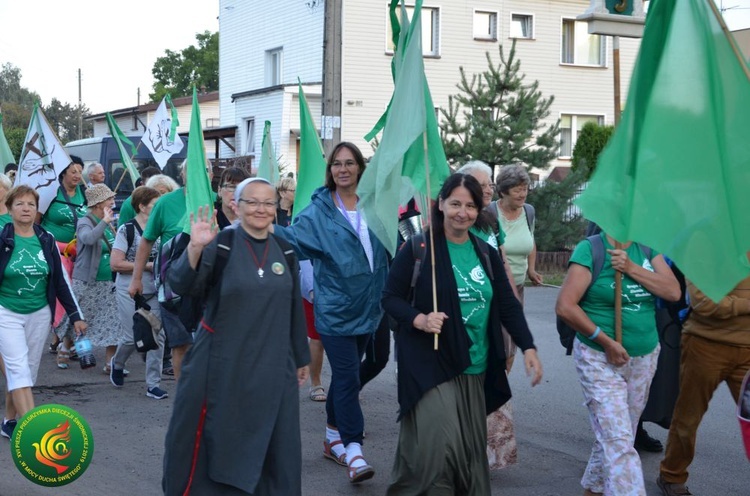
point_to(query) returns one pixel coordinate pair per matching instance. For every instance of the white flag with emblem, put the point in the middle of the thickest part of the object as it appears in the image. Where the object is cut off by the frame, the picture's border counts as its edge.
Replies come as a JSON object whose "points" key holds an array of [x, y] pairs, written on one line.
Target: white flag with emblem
{"points": [[161, 135], [42, 159]]}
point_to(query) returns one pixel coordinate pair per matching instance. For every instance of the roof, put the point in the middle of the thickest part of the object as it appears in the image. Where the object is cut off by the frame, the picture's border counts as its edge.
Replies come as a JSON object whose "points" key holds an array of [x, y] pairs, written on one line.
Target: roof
{"points": [[151, 106]]}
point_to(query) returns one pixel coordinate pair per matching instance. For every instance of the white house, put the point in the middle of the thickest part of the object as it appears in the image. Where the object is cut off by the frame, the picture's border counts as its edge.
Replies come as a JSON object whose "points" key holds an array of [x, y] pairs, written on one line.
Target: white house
{"points": [[265, 46]]}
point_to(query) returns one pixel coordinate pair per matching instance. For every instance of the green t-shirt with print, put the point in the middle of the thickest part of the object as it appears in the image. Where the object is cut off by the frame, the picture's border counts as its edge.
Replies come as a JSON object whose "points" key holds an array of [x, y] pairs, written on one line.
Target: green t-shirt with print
{"points": [[492, 239], [167, 217], [475, 297], [24, 287], [59, 219], [639, 336], [5, 219], [104, 271]]}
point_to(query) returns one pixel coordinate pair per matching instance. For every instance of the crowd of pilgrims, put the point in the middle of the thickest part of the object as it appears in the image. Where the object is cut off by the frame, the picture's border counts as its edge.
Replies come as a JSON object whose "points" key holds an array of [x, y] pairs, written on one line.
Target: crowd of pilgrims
{"points": [[322, 285]]}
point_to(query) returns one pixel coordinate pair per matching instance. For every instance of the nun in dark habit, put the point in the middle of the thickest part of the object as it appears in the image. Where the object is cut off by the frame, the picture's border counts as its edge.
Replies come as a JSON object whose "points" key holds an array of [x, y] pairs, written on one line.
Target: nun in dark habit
{"points": [[235, 427]]}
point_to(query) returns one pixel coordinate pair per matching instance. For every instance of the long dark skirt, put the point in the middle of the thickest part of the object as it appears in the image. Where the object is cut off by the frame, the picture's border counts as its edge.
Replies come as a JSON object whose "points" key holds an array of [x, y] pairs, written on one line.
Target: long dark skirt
{"points": [[442, 443]]}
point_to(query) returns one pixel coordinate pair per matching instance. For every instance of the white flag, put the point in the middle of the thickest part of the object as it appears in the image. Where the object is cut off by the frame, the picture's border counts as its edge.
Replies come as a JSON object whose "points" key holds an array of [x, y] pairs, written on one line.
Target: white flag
{"points": [[161, 135], [42, 159]]}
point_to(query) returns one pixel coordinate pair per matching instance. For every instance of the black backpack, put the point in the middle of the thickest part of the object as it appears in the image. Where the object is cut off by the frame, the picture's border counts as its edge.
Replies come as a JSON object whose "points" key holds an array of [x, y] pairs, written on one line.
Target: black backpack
{"points": [[566, 332]]}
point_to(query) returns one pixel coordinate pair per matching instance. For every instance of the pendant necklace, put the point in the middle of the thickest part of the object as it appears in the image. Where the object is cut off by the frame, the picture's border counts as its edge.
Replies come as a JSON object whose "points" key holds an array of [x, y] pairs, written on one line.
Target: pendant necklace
{"points": [[255, 259]]}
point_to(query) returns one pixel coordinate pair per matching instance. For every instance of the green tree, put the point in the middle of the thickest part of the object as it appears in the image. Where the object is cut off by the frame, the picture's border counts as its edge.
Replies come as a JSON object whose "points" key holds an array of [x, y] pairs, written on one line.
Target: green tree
{"points": [[176, 72], [558, 226], [15, 137], [591, 141], [63, 118], [498, 118]]}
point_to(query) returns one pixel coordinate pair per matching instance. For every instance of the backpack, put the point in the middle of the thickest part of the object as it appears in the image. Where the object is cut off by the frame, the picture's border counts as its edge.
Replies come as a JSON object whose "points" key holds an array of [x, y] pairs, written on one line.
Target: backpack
{"points": [[566, 332], [419, 251]]}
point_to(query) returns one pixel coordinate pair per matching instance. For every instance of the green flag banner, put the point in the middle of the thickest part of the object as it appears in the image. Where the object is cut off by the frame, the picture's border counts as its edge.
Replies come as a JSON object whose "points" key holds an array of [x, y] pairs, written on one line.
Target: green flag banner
{"points": [[198, 185], [121, 141], [312, 162], [268, 168], [401, 167], [6, 156], [675, 175]]}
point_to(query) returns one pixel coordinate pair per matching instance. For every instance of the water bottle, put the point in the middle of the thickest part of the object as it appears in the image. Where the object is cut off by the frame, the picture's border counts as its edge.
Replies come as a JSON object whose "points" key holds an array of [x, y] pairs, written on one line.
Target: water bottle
{"points": [[85, 352]]}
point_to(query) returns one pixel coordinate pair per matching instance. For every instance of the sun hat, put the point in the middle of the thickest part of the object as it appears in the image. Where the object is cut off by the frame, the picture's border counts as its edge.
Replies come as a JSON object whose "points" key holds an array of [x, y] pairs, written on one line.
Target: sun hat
{"points": [[98, 193]]}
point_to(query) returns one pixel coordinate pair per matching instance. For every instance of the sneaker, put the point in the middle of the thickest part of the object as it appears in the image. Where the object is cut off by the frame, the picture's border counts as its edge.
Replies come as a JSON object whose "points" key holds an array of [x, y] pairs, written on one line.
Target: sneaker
{"points": [[156, 393], [644, 442], [168, 370], [7, 429], [116, 376], [667, 489]]}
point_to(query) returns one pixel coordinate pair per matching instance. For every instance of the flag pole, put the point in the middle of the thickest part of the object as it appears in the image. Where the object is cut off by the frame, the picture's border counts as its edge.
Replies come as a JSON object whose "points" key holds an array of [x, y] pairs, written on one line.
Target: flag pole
{"points": [[432, 235], [618, 245], [732, 41]]}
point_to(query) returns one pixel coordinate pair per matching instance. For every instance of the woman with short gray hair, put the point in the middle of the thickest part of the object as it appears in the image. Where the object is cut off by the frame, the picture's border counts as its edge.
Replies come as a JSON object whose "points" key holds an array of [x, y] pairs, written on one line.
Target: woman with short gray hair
{"points": [[517, 219]]}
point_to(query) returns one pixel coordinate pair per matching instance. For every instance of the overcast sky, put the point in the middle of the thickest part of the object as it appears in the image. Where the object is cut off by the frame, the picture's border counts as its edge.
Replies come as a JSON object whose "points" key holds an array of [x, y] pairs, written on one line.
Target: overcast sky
{"points": [[116, 44]]}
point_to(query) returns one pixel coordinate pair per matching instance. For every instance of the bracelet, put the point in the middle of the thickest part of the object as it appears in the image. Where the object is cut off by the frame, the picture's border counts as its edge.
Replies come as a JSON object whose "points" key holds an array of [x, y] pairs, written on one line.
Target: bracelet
{"points": [[596, 333]]}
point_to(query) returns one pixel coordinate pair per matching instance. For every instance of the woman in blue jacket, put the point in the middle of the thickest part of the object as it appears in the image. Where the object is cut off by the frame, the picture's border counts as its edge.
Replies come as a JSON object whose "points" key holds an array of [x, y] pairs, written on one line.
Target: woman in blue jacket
{"points": [[350, 267]]}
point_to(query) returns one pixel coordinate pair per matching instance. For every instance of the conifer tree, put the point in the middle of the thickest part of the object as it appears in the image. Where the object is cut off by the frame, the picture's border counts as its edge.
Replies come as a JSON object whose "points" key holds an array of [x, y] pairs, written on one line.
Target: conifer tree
{"points": [[498, 118]]}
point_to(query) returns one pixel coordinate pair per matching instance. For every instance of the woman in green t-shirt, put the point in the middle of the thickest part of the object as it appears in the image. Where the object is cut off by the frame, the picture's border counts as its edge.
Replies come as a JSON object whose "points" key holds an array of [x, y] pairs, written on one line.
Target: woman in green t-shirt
{"points": [[445, 394], [31, 279], [615, 377]]}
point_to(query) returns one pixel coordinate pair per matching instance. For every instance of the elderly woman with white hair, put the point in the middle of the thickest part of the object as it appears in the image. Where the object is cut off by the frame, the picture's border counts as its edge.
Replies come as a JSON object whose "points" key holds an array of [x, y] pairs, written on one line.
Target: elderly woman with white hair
{"points": [[246, 348]]}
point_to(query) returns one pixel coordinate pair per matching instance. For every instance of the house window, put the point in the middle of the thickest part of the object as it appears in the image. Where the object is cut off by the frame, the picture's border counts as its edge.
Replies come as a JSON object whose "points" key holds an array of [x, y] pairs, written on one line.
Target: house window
{"points": [[570, 126], [485, 25], [430, 31], [250, 137], [522, 26], [579, 47], [273, 66]]}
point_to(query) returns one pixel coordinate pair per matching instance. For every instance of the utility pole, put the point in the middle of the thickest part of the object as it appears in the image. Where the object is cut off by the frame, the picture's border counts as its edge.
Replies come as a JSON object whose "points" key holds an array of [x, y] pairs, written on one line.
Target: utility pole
{"points": [[80, 108], [331, 101]]}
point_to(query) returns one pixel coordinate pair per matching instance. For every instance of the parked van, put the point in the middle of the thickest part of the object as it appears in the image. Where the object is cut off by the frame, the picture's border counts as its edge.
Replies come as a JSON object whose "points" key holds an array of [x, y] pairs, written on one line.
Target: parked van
{"points": [[103, 149]]}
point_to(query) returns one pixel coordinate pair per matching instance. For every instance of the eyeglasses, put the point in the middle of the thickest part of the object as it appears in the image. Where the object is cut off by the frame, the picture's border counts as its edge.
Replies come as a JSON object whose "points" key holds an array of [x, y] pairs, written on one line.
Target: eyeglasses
{"points": [[288, 190], [349, 164], [256, 205], [229, 187], [487, 186]]}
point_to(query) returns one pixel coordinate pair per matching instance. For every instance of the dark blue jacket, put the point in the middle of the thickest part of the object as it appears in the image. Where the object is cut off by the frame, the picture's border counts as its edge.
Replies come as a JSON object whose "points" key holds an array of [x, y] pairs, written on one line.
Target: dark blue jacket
{"points": [[58, 286], [347, 292]]}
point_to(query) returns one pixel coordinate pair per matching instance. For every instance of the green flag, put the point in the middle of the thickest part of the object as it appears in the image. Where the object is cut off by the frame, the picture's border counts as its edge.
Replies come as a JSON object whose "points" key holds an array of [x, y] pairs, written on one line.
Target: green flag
{"points": [[121, 141], [675, 175], [198, 185], [312, 163], [268, 168], [6, 156], [399, 169]]}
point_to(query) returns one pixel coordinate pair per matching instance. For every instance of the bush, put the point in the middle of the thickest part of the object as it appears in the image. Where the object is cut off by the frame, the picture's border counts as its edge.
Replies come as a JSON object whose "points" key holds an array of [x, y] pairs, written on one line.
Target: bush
{"points": [[558, 226], [591, 141]]}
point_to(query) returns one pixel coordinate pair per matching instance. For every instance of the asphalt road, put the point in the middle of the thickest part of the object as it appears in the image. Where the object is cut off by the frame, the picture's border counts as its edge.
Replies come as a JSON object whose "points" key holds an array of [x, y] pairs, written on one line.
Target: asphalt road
{"points": [[554, 437]]}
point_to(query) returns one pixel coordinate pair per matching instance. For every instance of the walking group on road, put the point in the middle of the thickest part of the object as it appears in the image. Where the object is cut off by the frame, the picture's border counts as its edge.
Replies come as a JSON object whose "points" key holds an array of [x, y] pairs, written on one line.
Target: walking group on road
{"points": [[253, 296]]}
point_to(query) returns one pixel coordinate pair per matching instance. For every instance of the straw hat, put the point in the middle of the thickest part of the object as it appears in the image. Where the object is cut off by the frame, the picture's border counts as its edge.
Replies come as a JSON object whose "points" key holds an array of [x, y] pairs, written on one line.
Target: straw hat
{"points": [[98, 193]]}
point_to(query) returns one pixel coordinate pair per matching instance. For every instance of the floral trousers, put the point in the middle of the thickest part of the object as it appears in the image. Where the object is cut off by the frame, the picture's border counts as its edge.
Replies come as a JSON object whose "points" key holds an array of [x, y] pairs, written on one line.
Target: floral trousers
{"points": [[615, 398]]}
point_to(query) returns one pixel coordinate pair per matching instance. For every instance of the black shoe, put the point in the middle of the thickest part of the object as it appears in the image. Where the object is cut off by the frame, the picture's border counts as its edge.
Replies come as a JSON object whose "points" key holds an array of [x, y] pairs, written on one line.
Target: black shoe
{"points": [[644, 442], [8, 428]]}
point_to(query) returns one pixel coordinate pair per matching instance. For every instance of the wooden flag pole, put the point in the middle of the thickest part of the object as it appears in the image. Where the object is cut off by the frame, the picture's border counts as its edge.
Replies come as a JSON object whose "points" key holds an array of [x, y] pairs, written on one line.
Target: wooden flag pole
{"points": [[732, 41], [618, 300], [128, 170], [618, 245], [432, 236]]}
